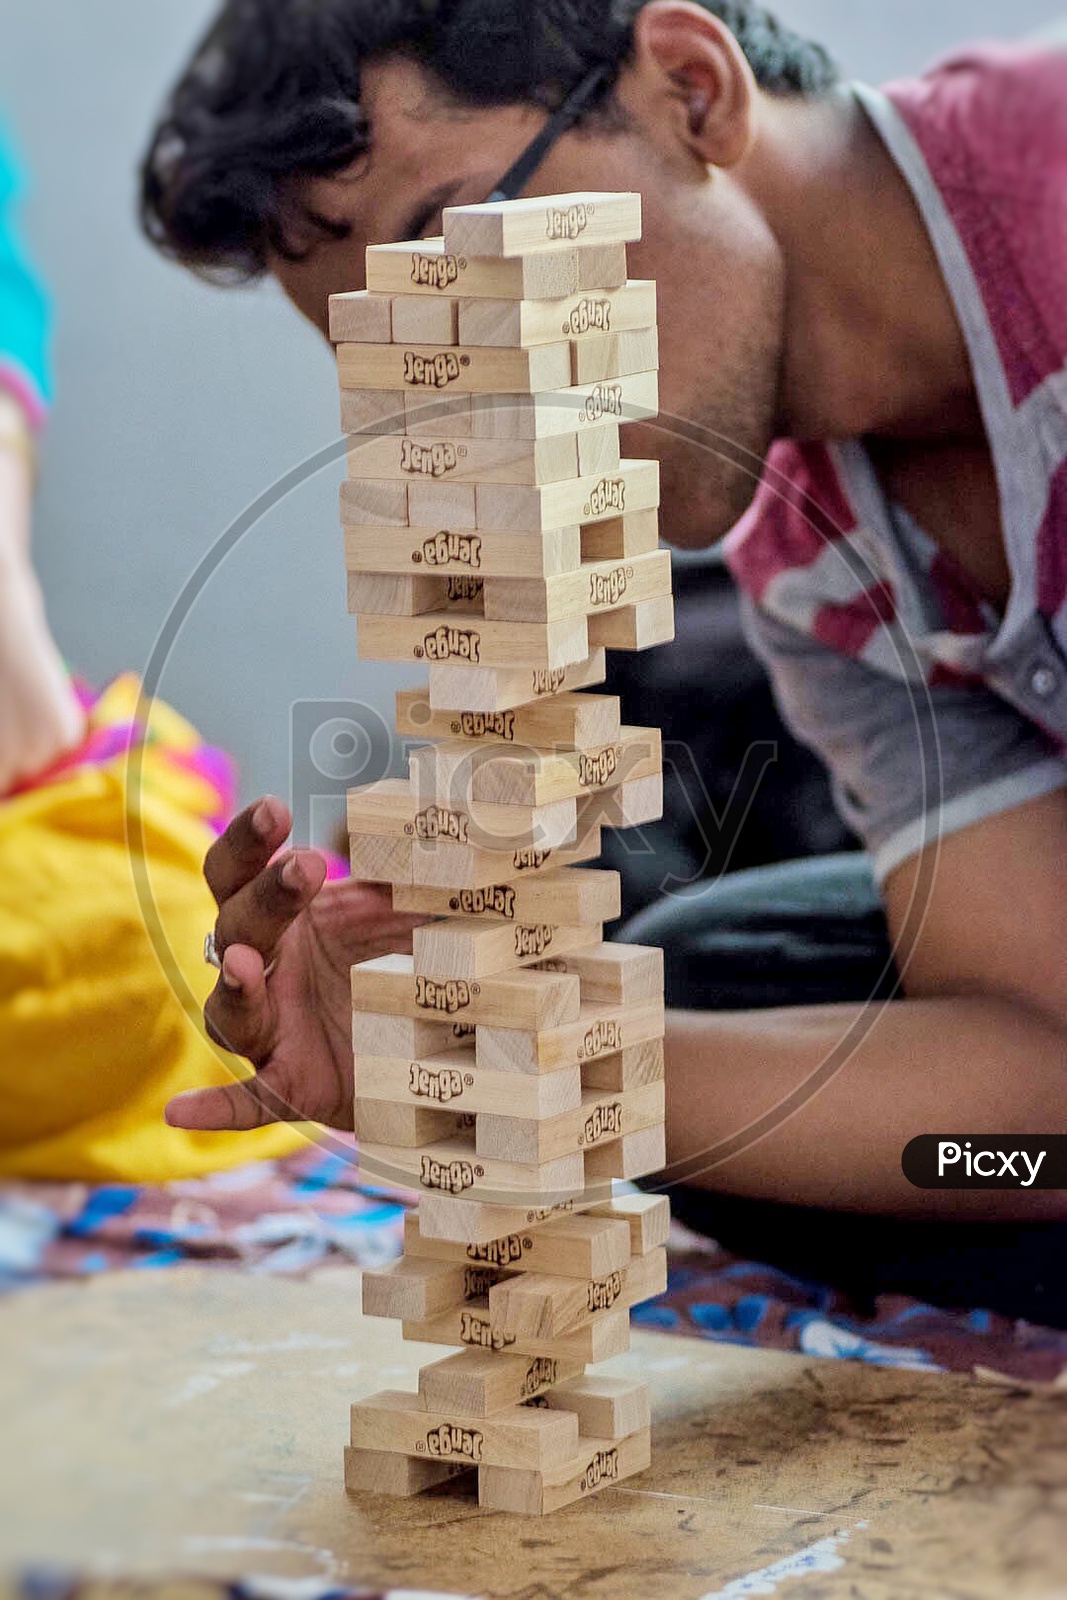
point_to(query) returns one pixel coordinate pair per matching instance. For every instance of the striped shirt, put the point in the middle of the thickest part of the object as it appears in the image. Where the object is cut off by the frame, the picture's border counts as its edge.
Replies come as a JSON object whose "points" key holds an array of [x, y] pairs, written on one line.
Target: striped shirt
{"points": [[932, 709]]}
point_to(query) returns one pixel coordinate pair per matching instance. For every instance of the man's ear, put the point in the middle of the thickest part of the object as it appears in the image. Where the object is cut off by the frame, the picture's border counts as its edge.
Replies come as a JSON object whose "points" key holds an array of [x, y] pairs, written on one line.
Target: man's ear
{"points": [[690, 82]]}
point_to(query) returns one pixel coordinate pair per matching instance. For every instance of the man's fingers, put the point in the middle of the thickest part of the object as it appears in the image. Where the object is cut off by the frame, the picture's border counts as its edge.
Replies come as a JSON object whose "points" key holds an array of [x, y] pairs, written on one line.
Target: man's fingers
{"points": [[238, 1013], [248, 844], [259, 914], [233, 1108]]}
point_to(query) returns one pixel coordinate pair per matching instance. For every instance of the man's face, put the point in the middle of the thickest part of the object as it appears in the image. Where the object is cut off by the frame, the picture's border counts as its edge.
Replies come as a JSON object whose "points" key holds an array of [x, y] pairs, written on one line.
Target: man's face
{"points": [[717, 265]]}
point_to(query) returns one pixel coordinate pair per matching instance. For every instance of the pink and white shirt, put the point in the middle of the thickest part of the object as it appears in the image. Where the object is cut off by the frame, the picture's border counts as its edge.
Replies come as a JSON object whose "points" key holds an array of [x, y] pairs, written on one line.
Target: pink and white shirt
{"points": [[932, 710]]}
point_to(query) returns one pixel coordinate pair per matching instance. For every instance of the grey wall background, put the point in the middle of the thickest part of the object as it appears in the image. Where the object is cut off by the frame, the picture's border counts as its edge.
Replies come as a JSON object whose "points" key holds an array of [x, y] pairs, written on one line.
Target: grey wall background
{"points": [[179, 405]]}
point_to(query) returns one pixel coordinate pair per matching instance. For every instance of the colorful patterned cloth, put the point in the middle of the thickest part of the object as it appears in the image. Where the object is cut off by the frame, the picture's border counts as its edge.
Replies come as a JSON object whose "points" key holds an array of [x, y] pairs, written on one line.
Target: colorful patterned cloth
{"points": [[309, 1210]]}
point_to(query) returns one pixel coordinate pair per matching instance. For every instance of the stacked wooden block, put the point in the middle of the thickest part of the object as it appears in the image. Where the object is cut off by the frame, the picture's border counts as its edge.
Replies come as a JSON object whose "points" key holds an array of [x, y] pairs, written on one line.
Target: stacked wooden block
{"points": [[512, 1067]]}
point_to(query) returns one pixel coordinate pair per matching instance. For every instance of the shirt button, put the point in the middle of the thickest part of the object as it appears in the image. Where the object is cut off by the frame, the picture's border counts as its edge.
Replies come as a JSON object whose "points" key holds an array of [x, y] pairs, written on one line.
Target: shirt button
{"points": [[1044, 682]]}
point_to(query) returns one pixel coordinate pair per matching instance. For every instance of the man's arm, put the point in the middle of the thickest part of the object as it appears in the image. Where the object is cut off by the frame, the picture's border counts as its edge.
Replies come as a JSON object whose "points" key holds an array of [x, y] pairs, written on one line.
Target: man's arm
{"points": [[978, 1046]]}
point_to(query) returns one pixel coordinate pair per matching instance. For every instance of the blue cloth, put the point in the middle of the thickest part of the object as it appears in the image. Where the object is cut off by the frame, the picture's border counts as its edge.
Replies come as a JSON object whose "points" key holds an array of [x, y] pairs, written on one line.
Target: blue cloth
{"points": [[25, 367]]}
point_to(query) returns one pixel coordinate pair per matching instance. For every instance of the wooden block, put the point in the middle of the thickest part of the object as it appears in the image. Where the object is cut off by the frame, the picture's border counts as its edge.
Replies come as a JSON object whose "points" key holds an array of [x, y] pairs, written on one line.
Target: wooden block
{"points": [[534, 1307], [470, 1222], [515, 227], [571, 410], [452, 1079], [424, 268], [407, 1127], [603, 1117], [461, 554], [452, 1167], [570, 1246], [637, 1155], [431, 414], [614, 974], [395, 806], [600, 587], [374, 411], [507, 508], [440, 865], [601, 266], [577, 722], [490, 690], [426, 369], [631, 805], [473, 949], [442, 459], [380, 858], [648, 1216], [599, 1031], [399, 1477], [361, 318], [377, 1035], [522, 323], [480, 1383], [540, 999], [439, 638], [579, 898], [380, 595], [606, 1408], [622, 538], [459, 771], [600, 1464], [375, 502], [599, 450], [614, 355], [424, 319], [401, 1424], [472, 1327], [646, 1277], [638, 627], [630, 1069], [446, 505], [415, 1290]]}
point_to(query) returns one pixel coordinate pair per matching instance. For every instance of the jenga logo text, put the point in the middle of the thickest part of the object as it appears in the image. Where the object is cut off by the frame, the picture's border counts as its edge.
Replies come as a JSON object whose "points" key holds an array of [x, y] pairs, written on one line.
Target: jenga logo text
{"points": [[608, 588], [542, 1373], [436, 823], [448, 997], [597, 769], [434, 272], [589, 316], [604, 1468], [605, 400], [533, 941], [604, 1294], [479, 1333], [431, 372], [478, 1281], [547, 681], [604, 1036], [482, 724], [427, 460], [463, 1030], [567, 222], [530, 860], [499, 901], [605, 1123], [453, 644], [453, 549], [450, 1442], [442, 1087], [500, 1252], [453, 1177], [466, 588], [609, 496]]}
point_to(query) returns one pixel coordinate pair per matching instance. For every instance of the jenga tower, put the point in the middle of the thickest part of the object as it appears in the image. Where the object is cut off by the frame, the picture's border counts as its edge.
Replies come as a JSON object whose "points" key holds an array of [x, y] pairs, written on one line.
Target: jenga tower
{"points": [[513, 1067]]}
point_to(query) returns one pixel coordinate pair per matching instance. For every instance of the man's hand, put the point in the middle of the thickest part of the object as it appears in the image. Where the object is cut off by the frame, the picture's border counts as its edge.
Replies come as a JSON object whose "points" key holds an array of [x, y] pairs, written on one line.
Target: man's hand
{"points": [[296, 1026]]}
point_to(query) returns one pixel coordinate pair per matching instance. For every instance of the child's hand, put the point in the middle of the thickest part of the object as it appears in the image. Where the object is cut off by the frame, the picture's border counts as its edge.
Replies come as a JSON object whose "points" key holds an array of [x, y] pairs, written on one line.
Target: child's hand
{"points": [[296, 1026], [40, 717]]}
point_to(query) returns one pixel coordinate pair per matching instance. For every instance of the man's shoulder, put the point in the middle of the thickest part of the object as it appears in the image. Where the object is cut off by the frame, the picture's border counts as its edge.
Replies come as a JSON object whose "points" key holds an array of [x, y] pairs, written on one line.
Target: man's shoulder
{"points": [[801, 510]]}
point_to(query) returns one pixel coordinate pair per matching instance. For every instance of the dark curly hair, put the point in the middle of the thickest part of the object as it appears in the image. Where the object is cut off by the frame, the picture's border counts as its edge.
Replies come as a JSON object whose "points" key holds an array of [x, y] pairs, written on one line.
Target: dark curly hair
{"points": [[273, 93]]}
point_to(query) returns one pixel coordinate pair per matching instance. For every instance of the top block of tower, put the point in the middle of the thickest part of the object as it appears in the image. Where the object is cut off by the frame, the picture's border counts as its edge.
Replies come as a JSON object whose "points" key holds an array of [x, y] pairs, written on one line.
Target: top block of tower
{"points": [[514, 228]]}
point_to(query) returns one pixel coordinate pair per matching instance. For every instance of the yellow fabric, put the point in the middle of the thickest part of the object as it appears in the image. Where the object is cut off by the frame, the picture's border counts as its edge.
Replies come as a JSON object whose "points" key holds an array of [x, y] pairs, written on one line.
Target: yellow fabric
{"points": [[96, 1030]]}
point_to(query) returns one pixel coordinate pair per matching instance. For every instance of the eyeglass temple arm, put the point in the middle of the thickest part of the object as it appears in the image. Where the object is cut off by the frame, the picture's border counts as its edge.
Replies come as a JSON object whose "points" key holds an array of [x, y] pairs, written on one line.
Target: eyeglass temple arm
{"points": [[517, 177]]}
